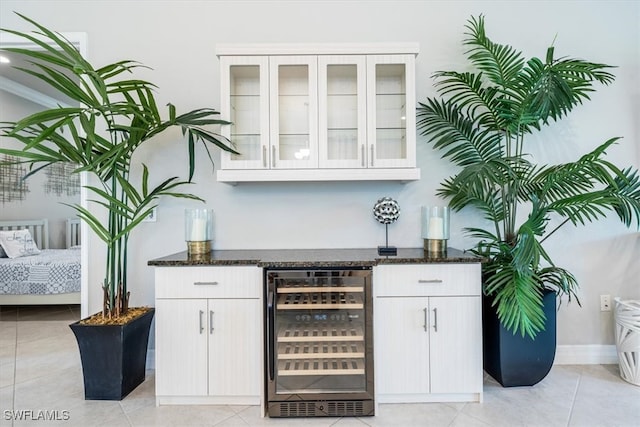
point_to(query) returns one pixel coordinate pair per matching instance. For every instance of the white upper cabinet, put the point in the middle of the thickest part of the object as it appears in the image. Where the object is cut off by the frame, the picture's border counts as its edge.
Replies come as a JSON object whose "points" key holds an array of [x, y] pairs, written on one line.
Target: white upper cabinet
{"points": [[319, 112]]}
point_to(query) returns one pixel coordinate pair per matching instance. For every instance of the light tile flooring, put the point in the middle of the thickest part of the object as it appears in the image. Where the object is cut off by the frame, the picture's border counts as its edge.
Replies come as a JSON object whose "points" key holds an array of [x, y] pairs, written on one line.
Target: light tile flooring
{"points": [[40, 371]]}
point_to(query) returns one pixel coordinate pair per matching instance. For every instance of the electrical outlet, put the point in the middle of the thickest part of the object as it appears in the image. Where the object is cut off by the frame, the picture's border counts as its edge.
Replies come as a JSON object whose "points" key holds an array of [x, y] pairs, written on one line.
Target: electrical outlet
{"points": [[151, 217], [605, 302]]}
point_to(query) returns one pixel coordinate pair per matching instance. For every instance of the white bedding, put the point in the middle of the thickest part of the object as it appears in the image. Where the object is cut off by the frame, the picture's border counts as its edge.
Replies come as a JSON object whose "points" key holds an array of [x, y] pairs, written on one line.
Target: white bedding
{"points": [[53, 271]]}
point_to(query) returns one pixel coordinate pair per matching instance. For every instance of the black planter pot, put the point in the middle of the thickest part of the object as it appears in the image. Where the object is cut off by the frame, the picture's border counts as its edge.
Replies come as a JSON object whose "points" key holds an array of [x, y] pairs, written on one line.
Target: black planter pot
{"points": [[113, 357], [514, 360]]}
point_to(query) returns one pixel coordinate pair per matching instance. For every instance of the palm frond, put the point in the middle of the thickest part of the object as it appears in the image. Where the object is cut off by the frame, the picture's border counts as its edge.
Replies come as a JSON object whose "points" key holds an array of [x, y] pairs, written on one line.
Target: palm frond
{"points": [[501, 63], [456, 134]]}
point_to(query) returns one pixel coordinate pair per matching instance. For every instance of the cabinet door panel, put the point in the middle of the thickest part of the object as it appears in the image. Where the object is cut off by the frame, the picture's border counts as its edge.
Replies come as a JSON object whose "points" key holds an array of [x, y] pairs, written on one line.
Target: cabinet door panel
{"points": [[342, 111], [391, 110], [181, 347], [245, 102], [235, 347], [455, 344], [401, 340], [293, 101]]}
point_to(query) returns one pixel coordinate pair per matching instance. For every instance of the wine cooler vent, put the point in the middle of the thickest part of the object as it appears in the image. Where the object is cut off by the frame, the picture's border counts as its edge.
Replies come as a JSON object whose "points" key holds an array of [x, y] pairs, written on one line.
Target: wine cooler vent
{"points": [[324, 408]]}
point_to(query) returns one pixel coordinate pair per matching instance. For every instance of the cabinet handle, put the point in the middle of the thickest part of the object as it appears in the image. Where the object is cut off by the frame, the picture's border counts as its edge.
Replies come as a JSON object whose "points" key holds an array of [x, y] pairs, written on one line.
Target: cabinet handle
{"points": [[264, 156], [362, 154], [210, 322], [426, 317], [201, 325], [435, 320], [372, 155], [273, 156], [205, 283], [429, 281]]}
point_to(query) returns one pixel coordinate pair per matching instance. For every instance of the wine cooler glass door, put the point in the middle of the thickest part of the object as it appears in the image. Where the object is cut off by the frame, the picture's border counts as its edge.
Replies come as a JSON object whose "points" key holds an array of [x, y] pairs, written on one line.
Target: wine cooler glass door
{"points": [[319, 331]]}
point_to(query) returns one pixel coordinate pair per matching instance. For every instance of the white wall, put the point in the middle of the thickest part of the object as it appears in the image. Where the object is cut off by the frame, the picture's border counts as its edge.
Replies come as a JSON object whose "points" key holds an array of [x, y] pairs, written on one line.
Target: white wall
{"points": [[177, 39]]}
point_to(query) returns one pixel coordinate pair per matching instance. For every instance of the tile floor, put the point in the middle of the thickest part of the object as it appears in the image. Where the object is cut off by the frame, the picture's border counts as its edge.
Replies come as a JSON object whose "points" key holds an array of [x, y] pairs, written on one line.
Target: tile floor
{"points": [[40, 370]]}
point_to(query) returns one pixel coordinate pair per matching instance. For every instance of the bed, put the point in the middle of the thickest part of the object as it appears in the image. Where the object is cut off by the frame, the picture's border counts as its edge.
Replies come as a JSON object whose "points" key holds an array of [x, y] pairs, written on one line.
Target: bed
{"points": [[51, 277]]}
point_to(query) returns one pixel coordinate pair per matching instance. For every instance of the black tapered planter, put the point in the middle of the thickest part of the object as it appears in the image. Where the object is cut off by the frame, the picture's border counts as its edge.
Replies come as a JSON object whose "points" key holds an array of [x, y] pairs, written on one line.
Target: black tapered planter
{"points": [[514, 360], [113, 356]]}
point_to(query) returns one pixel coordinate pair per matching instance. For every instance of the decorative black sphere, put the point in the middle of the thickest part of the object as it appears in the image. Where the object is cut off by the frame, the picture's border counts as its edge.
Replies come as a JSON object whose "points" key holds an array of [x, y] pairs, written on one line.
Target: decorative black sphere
{"points": [[386, 210]]}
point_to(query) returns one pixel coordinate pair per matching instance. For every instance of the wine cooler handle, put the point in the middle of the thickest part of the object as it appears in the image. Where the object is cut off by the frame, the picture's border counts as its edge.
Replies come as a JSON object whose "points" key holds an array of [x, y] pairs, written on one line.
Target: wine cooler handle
{"points": [[210, 322], [363, 162], [201, 325], [271, 339], [426, 316], [273, 156], [435, 319]]}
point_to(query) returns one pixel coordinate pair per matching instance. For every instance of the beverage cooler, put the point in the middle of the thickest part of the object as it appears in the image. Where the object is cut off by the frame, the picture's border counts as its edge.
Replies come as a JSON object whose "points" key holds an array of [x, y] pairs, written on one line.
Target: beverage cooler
{"points": [[319, 342]]}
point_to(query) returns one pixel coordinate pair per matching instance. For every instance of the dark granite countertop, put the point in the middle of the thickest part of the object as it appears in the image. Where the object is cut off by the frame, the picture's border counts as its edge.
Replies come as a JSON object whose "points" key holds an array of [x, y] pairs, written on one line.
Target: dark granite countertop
{"points": [[288, 258]]}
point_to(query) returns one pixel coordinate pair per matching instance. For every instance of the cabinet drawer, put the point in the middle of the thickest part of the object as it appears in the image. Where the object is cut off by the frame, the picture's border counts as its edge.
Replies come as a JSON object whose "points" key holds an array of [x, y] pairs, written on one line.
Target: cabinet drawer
{"points": [[208, 282], [427, 279]]}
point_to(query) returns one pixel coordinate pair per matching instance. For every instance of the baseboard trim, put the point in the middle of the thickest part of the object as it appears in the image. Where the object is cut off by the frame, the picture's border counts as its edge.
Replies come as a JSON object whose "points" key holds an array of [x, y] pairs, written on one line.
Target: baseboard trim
{"points": [[586, 355]]}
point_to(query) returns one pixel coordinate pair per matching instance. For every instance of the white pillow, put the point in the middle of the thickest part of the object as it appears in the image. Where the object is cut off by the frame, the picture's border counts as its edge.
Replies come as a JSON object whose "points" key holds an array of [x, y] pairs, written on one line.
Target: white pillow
{"points": [[17, 243]]}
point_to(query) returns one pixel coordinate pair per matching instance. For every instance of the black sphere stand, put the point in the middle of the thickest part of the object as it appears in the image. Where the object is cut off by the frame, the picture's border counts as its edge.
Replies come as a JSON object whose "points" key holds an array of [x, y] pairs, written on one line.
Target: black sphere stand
{"points": [[387, 250]]}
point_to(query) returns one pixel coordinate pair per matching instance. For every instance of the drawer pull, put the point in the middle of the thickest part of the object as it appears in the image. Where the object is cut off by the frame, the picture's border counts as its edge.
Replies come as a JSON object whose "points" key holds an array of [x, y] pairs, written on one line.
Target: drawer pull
{"points": [[205, 283], [430, 281]]}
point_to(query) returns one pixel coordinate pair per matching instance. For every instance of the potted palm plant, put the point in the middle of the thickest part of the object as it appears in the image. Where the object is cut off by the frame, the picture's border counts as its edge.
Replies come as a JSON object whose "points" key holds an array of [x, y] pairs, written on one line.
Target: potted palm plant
{"points": [[480, 122], [114, 116]]}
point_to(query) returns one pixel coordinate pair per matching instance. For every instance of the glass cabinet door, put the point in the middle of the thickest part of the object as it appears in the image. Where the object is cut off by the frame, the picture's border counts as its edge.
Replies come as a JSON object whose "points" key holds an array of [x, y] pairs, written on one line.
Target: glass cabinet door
{"points": [[245, 96], [391, 110], [294, 112], [342, 111]]}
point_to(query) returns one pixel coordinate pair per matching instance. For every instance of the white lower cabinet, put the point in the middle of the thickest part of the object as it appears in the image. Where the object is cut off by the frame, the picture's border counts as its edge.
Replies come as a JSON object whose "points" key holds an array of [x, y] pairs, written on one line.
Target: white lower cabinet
{"points": [[428, 333], [209, 335]]}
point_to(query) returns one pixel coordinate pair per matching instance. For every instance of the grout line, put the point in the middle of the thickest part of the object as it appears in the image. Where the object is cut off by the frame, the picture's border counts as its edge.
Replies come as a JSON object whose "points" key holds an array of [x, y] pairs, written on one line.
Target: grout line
{"points": [[125, 413], [573, 400], [15, 369]]}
